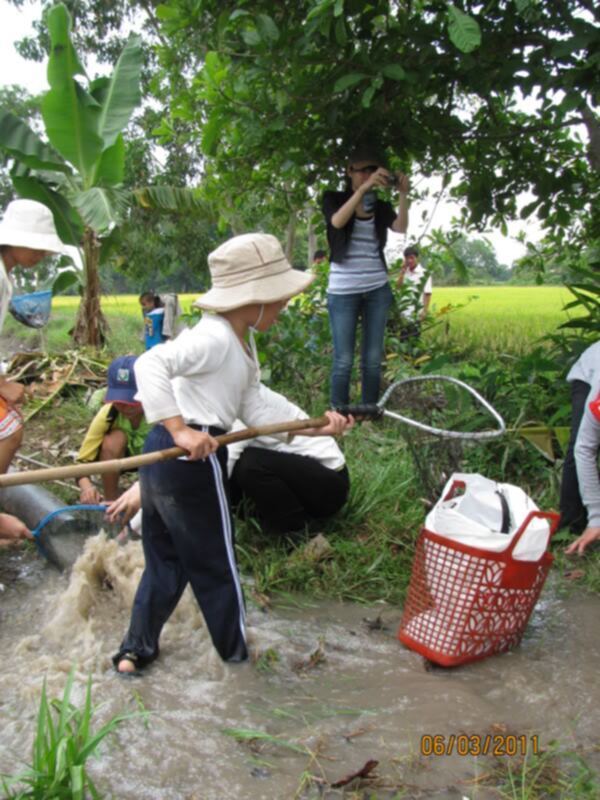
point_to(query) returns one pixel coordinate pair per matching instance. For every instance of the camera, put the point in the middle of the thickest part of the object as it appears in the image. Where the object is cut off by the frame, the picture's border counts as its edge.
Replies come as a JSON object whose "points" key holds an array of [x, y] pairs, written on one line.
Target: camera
{"points": [[392, 180]]}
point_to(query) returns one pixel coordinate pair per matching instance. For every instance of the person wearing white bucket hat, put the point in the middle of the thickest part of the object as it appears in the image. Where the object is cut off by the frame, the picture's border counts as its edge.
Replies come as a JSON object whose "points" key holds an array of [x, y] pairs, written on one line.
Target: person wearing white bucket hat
{"points": [[195, 386], [27, 235]]}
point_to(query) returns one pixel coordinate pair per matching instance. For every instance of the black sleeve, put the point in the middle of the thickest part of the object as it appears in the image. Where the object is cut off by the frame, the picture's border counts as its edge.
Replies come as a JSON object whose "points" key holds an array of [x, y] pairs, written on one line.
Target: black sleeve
{"points": [[389, 214], [329, 205]]}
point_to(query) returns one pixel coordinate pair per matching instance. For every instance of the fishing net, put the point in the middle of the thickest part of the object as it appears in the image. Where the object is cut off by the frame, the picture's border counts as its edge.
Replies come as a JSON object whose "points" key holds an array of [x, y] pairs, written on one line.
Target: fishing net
{"points": [[32, 309], [61, 535], [441, 421]]}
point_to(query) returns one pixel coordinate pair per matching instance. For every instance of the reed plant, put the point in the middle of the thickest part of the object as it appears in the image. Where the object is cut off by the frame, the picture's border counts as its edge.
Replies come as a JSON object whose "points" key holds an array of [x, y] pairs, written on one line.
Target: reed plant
{"points": [[64, 741]]}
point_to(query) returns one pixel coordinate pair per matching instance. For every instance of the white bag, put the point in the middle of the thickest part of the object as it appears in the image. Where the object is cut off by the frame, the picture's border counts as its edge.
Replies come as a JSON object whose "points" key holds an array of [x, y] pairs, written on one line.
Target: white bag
{"points": [[488, 515]]}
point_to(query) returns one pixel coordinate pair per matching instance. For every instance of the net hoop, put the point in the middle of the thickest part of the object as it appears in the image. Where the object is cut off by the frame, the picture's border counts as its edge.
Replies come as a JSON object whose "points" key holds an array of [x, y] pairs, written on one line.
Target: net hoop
{"points": [[441, 432]]}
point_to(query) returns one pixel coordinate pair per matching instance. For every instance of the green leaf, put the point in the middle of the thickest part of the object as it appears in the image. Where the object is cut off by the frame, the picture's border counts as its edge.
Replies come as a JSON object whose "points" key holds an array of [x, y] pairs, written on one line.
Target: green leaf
{"points": [[64, 280], [341, 35], [338, 9], [212, 65], [319, 9], [21, 143], [394, 71], [63, 64], [123, 93], [98, 88], [267, 28], [211, 134], [166, 12], [347, 81], [72, 126], [464, 31], [168, 198], [368, 96], [68, 223], [111, 168], [251, 37], [101, 208]]}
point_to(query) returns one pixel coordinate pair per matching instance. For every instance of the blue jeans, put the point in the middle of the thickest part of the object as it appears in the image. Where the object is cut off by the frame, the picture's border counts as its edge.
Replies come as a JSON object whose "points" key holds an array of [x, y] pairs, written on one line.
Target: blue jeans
{"points": [[344, 312]]}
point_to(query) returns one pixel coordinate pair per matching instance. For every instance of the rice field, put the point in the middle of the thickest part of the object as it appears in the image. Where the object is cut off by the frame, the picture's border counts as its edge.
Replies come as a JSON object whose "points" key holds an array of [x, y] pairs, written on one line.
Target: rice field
{"points": [[471, 319], [498, 318]]}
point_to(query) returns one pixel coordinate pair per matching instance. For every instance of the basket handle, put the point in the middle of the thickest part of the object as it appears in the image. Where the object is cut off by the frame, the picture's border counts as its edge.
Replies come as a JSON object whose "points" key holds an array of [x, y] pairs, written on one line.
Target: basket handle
{"points": [[552, 517], [457, 484]]}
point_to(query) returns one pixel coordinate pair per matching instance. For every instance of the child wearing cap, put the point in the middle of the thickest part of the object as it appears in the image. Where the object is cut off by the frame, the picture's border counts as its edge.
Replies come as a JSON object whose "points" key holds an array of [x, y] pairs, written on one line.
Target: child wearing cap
{"points": [[195, 387], [118, 429], [27, 235]]}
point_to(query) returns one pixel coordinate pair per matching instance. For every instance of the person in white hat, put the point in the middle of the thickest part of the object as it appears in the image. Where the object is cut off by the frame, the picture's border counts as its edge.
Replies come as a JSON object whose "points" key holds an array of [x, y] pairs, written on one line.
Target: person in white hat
{"points": [[27, 235], [195, 386]]}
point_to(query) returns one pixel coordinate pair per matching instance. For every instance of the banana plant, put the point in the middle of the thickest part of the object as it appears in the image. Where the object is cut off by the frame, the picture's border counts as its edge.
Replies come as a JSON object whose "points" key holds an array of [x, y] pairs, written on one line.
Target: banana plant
{"points": [[79, 171]]}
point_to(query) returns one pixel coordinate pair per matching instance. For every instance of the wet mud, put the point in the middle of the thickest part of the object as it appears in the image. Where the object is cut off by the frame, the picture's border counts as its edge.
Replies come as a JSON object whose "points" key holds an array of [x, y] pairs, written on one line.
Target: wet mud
{"points": [[329, 690]]}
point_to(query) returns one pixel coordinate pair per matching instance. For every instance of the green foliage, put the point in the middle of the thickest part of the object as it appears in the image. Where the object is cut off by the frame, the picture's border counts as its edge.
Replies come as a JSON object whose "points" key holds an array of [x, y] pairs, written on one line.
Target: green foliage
{"points": [[435, 84], [83, 186], [64, 741]]}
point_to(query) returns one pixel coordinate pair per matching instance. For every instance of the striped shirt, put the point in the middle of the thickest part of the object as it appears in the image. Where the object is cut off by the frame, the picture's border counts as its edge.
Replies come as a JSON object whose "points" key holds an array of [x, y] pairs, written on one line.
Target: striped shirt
{"points": [[362, 269]]}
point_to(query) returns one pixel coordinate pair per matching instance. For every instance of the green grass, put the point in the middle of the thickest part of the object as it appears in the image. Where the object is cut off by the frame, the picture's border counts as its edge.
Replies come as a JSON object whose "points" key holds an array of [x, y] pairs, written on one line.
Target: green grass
{"points": [[553, 774]]}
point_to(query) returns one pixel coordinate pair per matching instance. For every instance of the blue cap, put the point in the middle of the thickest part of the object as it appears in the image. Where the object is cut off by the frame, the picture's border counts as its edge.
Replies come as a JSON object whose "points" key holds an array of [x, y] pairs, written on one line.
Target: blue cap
{"points": [[122, 387]]}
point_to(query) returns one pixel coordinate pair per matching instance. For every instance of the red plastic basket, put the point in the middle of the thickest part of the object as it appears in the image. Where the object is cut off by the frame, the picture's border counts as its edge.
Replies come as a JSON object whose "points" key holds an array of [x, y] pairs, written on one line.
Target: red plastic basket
{"points": [[464, 603]]}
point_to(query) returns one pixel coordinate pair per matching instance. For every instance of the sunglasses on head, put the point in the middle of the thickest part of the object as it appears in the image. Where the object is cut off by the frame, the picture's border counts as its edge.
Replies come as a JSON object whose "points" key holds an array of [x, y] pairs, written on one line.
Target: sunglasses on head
{"points": [[370, 168]]}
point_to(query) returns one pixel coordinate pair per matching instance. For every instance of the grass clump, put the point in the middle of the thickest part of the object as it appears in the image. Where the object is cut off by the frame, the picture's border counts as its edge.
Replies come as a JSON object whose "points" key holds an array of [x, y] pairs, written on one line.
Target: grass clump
{"points": [[64, 741], [552, 774]]}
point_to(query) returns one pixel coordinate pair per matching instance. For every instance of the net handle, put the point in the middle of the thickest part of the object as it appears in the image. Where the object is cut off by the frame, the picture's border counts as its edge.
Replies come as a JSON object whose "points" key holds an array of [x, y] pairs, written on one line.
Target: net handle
{"points": [[441, 432], [133, 462], [76, 507]]}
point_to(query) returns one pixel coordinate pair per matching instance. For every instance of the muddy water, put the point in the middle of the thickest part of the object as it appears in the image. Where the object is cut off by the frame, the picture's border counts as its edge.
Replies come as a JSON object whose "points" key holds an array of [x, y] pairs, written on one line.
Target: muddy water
{"points": [[333, 682]]}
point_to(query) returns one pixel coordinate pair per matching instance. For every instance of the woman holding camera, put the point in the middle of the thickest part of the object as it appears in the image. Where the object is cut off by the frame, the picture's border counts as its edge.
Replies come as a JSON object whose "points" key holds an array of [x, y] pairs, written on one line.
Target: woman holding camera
{"points": [[357, 224]]}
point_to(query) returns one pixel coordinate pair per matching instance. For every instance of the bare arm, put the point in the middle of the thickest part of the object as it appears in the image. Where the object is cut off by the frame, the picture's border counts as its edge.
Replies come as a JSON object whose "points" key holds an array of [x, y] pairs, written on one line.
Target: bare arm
{"points": [[400, 224], [11, 391]]}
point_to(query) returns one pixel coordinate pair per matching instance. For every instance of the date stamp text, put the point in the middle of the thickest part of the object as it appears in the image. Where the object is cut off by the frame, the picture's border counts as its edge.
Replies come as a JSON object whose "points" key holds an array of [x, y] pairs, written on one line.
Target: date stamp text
{"points": [[479, 744]]}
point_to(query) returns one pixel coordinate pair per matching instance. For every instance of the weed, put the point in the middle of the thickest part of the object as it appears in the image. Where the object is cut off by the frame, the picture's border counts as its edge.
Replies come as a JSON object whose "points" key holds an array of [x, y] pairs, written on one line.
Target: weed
{"points": [[552, 774], [64, 741]]}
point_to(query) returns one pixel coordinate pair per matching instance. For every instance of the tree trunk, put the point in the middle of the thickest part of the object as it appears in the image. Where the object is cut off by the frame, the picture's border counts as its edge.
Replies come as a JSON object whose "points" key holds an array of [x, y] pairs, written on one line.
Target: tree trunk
{"points": [[312, 239], [90, 326], [290, 237]]}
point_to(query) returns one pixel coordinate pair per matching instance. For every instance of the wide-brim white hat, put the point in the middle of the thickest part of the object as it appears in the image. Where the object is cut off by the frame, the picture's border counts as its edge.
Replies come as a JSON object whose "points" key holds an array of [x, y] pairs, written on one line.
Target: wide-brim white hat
{"points": [[27, 223], [251, 268]]}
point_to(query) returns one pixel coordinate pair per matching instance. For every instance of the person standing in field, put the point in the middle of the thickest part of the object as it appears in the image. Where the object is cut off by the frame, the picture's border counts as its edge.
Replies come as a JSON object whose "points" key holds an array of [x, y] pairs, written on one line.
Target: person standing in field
{"points": [[581, 377], [27, 235], [414, 279], [161, 313], [587, 450], [193, 388], [358, 289]]}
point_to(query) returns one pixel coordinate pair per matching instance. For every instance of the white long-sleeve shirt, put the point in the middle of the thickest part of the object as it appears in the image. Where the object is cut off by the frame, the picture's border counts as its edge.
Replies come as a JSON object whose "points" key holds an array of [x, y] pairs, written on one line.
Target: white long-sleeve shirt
{"points": [[206, 376], [587, 365], [6, 291], [323, 449], [587, 448]]}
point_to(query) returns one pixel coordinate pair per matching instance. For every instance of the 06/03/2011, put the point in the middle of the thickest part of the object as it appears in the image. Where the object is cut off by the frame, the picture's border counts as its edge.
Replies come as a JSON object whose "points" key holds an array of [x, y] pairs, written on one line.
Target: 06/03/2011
{"points": [[478, 744]]}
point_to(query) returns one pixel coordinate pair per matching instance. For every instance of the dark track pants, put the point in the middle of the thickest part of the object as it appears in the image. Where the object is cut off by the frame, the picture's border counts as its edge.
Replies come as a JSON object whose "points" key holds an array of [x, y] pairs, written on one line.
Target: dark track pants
{"points": [[288, 491], [572, 511], [187, 536]]}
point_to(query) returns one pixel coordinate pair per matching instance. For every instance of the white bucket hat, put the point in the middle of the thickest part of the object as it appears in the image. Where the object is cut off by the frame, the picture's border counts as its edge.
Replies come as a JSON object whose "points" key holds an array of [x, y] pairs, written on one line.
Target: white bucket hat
{"points": [[27, 223], [251, 268]]}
